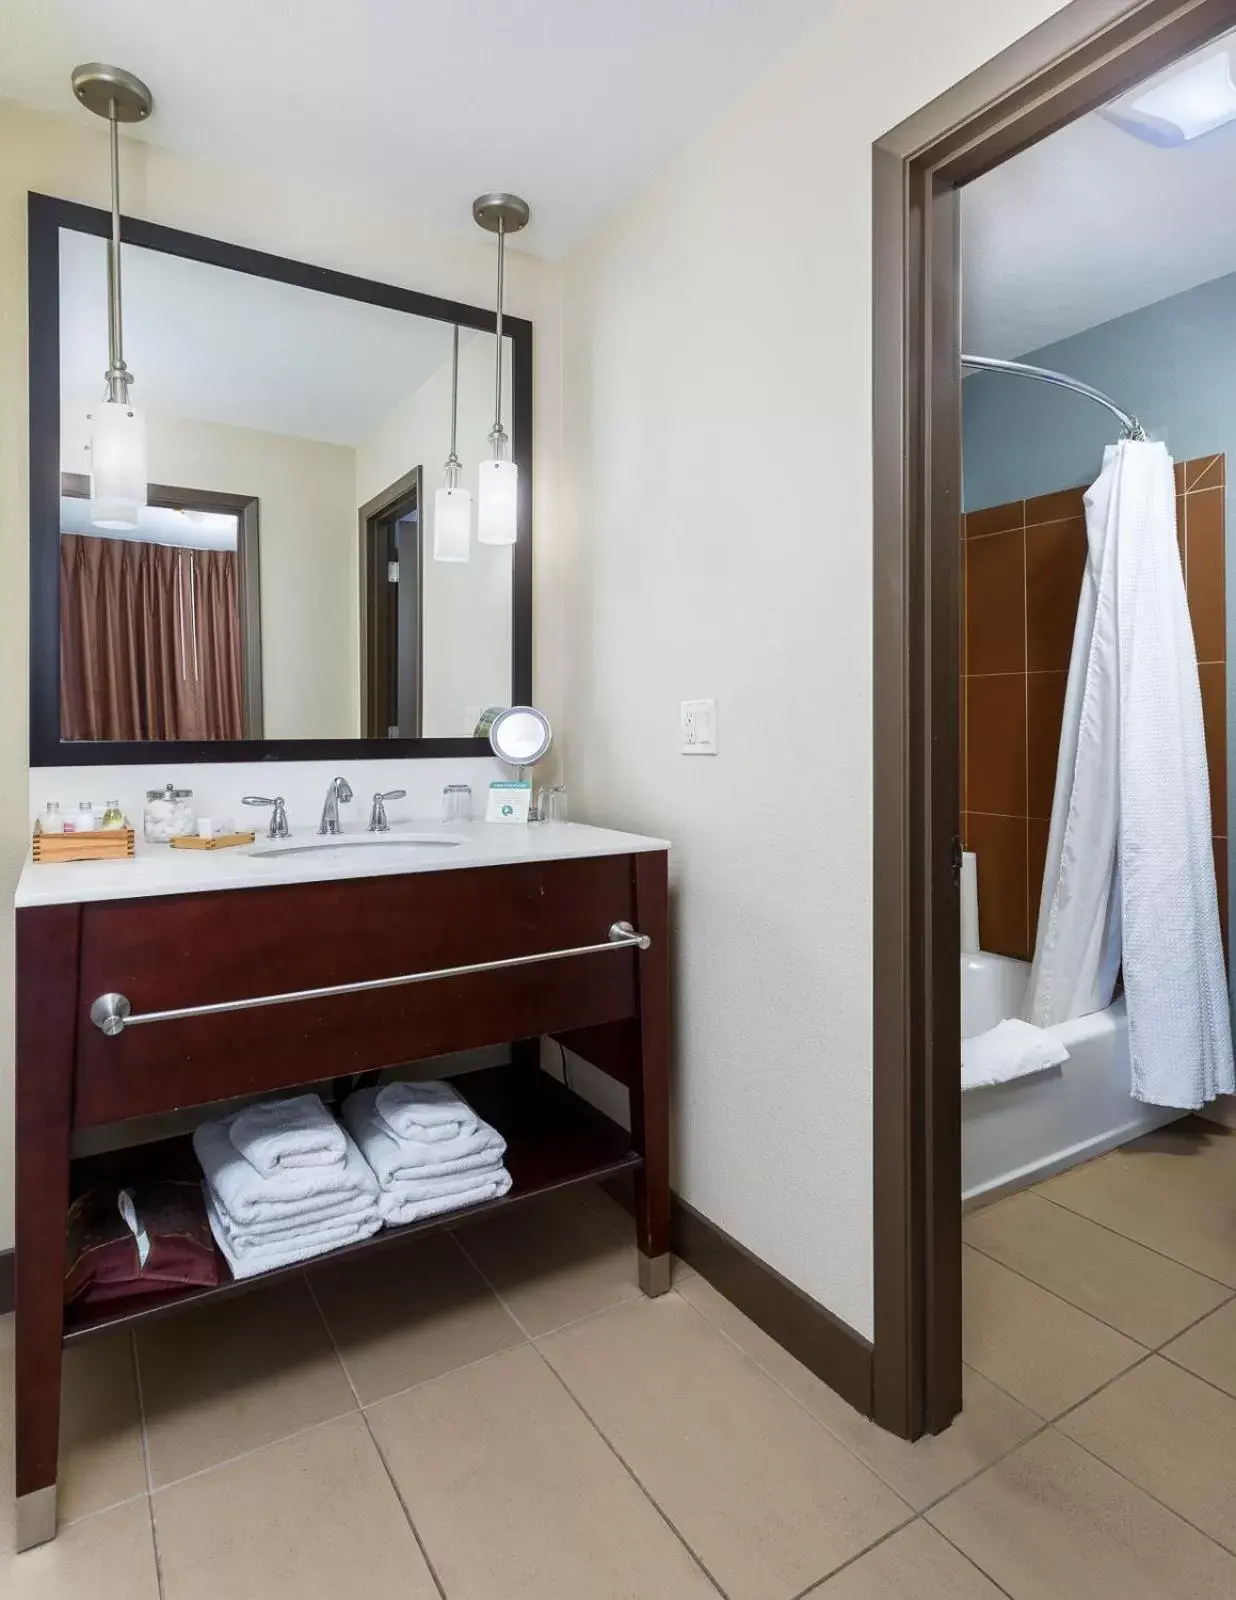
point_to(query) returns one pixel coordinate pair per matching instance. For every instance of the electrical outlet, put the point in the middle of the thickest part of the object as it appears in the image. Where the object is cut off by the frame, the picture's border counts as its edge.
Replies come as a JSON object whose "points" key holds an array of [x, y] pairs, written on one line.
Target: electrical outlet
{"points": [[699, 727]]}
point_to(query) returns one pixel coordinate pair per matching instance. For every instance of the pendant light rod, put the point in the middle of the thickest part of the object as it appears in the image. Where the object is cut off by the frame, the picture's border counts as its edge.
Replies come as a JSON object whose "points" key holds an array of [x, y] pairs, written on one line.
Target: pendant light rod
{"points": [[113, 93], [118, 377], [501, 214], [453, 459]]}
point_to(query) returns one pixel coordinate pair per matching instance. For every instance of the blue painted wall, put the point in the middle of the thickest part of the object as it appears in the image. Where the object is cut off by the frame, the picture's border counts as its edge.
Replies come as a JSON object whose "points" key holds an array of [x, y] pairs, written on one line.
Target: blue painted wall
{"points": [[1172, 364]]}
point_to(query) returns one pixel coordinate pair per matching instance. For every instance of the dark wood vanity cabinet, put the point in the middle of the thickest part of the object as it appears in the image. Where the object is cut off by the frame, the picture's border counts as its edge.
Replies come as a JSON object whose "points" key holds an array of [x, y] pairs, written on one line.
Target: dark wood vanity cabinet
{"points": [[215, 948]]}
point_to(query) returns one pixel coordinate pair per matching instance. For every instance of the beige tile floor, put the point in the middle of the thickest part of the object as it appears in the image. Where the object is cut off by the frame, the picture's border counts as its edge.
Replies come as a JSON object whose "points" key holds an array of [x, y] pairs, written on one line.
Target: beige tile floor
{"points": [[494, 1414]]}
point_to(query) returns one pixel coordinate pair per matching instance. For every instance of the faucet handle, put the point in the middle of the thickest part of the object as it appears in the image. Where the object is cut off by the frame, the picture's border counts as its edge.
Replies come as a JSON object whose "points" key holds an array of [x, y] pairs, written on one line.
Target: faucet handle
{"points": [[278, 818], [377, 814]]}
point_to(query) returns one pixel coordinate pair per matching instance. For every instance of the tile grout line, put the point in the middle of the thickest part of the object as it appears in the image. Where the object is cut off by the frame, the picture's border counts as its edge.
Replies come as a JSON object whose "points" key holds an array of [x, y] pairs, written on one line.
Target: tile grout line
{"points": [[591, 1421], [145, 1441], [1162, 1254], [849, 1561], [381, 1454], [802, 1406], [965, 1556]]}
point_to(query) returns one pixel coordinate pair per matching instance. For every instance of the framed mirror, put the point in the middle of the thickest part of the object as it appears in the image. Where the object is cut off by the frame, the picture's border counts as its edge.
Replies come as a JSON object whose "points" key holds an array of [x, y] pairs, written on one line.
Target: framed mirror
{"points": [[279, 595]]}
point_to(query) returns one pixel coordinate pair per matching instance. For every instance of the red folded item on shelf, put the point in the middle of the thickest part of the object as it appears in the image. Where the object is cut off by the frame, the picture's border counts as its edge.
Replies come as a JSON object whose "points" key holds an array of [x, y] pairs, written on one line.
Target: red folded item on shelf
{"points": [[146, 1239]]}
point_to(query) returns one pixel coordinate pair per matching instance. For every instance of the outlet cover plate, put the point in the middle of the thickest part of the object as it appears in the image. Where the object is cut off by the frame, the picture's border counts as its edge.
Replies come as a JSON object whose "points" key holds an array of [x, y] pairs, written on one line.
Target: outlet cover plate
{"points": [[699, 727]]}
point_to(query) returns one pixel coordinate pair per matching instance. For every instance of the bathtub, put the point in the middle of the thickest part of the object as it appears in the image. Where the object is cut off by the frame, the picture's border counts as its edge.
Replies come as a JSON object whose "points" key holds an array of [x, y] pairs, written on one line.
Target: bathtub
{"points": [[1016, 1133]]}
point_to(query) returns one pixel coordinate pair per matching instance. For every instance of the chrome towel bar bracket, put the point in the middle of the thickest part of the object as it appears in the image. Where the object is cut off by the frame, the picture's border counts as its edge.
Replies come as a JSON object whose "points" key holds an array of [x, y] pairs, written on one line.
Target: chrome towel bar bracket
{"points": [[112, 1013]]}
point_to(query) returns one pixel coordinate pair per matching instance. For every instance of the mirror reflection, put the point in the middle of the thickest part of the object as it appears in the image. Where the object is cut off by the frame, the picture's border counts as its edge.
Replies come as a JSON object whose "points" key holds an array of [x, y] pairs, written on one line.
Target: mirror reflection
{"points": [[281, 582]]}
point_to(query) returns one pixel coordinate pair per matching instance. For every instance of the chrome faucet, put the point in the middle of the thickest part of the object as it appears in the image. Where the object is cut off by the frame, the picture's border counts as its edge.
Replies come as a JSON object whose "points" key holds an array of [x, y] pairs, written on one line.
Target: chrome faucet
{"points": [[377, 815], [278, 818], [340, 789]]}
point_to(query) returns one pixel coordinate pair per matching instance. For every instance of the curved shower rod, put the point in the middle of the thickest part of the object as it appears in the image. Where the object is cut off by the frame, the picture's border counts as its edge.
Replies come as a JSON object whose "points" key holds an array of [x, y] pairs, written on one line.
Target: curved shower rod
{"points": [[1132, 427]]}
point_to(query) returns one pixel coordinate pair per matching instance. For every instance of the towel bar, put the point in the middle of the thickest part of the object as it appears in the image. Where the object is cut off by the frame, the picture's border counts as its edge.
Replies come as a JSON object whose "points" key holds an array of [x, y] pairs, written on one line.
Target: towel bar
{"points": [[112, 1013]]}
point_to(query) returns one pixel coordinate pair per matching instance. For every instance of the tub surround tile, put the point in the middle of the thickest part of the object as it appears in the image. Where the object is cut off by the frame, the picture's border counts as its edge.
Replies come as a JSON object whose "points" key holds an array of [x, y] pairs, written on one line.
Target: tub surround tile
{"points": [[1000, 844], [1206, 574], [996, 724], [996, 519], [1055, 562], [995, 610], [1044, 715], [1055, 507]]}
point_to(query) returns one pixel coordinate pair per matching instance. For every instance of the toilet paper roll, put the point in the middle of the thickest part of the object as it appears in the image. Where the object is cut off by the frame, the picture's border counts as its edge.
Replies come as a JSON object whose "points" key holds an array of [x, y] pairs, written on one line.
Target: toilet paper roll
{"points": [[969, 903]]}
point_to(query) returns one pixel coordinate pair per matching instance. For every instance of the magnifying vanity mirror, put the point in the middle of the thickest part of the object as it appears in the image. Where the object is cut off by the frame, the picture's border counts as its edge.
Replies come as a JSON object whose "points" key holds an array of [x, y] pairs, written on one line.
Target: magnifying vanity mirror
{"points": [[520, 736], [279, 594]]}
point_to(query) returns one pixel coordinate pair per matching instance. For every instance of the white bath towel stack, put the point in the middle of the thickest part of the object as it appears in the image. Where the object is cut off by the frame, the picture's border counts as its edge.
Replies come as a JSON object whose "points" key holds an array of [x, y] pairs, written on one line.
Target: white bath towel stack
{"points": [[428, 1149], [284, 1183]]}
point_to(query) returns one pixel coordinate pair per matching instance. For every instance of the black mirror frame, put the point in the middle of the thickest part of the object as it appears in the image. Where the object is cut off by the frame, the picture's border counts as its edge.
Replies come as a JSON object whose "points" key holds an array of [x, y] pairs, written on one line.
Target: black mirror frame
{"points": [[47, 216]]}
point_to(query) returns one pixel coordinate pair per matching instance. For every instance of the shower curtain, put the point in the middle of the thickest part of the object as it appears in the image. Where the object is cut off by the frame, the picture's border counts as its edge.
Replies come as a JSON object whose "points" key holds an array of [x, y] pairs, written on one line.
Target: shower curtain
{"points": [[1130, 872]]}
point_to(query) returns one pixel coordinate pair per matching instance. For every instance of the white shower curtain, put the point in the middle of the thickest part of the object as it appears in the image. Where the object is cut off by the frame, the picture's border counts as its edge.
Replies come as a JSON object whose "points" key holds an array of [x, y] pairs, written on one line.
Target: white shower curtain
{"points": [[1130, 870]]}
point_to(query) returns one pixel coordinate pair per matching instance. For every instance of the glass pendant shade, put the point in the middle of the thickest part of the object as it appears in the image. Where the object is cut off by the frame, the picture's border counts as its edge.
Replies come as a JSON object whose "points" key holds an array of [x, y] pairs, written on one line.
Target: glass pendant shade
{"points": [[117, 466], [452, 524], [497, 502]]}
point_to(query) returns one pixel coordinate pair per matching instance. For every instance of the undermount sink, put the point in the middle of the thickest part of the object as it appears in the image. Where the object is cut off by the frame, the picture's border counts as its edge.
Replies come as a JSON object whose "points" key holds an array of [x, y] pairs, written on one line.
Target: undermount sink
{"points": [[271, 848]]}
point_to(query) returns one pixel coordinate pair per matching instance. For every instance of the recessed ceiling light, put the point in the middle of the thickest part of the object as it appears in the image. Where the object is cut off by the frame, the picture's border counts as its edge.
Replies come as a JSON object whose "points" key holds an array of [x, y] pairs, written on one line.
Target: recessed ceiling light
{"points": [[1192, 100]]}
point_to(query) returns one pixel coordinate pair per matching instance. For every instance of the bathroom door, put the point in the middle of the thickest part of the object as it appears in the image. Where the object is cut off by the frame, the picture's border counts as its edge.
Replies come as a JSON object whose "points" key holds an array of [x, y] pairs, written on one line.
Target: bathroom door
{"points": [[392, 549]]}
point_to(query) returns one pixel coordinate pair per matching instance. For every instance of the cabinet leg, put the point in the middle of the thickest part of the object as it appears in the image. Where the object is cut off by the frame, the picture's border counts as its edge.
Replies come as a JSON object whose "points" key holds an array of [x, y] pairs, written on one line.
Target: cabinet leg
{"points": [[650, 1086], [36, 1517], [47, 964]]}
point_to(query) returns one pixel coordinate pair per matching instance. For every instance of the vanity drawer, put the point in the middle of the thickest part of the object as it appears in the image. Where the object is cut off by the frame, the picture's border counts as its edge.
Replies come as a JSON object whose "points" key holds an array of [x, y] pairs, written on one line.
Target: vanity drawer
{"points": [[194, 950]]}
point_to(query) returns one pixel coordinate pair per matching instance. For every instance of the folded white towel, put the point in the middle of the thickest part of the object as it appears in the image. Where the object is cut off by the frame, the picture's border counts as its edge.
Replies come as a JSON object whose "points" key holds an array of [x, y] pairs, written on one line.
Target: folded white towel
{"points": [[410, 1202], [348, 1210], [396, 1160], [279, 1134], [1012, 1049], [430, 1113], [300, 1194], [248, 1257]]}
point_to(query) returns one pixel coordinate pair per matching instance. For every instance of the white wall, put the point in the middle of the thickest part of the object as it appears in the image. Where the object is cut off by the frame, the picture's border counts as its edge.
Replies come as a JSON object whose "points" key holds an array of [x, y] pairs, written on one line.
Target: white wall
{"points": [[717, 477], [310, 568], [466, 647], [68, 157]]}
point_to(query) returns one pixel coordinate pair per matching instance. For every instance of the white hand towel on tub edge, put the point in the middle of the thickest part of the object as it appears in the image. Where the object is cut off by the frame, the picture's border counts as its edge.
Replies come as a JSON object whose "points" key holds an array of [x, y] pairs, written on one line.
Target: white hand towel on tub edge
{"points": [[1012, 1049]]}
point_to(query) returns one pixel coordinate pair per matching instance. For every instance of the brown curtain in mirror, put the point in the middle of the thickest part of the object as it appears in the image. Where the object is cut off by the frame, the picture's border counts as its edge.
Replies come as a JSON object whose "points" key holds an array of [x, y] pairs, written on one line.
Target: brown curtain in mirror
{"points": [[149, 641]]}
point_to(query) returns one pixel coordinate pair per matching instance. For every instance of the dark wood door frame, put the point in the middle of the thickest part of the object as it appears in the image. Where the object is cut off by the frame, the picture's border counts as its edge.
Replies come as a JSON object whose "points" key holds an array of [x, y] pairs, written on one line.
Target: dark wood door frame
{"points": [[409, 630], [1079, 58]]}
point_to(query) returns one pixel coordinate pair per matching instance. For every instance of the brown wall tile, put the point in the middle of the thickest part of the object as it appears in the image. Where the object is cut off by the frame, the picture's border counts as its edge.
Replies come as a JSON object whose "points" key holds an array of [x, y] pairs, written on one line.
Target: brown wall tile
{"points": [[1055, 562], [996, 744], [1213, 677], [1204, 573], [1178, 472], [1056, 506], [995, 519], [995, 603], [1204, 472], [1038, 833], [1044, 713], [1000, 843]]}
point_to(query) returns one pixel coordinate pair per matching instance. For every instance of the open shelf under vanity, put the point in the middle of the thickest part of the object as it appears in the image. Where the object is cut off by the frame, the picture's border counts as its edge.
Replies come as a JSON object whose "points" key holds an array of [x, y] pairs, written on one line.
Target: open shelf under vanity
{"points": [[554, 1141]]}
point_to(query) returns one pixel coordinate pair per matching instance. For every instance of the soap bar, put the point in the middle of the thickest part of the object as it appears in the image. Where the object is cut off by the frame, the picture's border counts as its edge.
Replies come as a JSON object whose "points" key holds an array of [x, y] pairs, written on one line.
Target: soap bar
{"points": [[214, 827]]}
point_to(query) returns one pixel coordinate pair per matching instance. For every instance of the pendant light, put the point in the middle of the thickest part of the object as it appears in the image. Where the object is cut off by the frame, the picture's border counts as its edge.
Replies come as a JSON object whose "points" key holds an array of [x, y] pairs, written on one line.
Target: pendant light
{"points": [[452, 505], [498, 482], [118, 438]]}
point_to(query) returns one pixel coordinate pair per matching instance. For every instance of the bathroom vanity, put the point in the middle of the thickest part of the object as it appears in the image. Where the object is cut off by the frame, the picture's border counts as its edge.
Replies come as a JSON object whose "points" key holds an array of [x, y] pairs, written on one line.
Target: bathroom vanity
{"points": [[179, 979]]}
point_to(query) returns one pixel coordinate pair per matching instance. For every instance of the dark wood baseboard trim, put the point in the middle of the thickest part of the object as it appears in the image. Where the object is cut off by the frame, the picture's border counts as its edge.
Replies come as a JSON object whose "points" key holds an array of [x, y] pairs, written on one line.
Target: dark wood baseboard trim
{"points": [[6, 1282], [824, 1344]]}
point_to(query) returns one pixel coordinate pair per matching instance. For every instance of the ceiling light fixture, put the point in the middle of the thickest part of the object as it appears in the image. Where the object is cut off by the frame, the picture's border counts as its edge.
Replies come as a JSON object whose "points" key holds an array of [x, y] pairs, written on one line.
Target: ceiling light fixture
{"points": [[1194, 98], [498, 482], [118, 438], [452, 505]]}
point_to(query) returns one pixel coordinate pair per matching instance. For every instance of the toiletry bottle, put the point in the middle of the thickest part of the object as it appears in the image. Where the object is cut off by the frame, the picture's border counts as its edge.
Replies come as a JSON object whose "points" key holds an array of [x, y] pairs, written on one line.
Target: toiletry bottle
{"points": [[84, 820], [113, 816], [50, 819]]}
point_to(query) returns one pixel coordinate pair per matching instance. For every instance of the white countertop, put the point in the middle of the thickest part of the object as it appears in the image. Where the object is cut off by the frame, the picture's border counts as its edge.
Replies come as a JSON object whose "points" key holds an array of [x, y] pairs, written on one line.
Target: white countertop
{"points": [[158, 869]]}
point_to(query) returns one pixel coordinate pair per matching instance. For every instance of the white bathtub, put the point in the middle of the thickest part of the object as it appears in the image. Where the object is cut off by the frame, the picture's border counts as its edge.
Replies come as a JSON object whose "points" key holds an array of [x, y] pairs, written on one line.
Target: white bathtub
{"points": [[1016, 1133]]}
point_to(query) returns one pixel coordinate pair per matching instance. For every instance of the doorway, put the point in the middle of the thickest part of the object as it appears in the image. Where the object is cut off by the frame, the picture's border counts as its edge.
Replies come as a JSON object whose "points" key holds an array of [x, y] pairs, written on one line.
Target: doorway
{"points": [[1080, 58], [392, 584]]}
